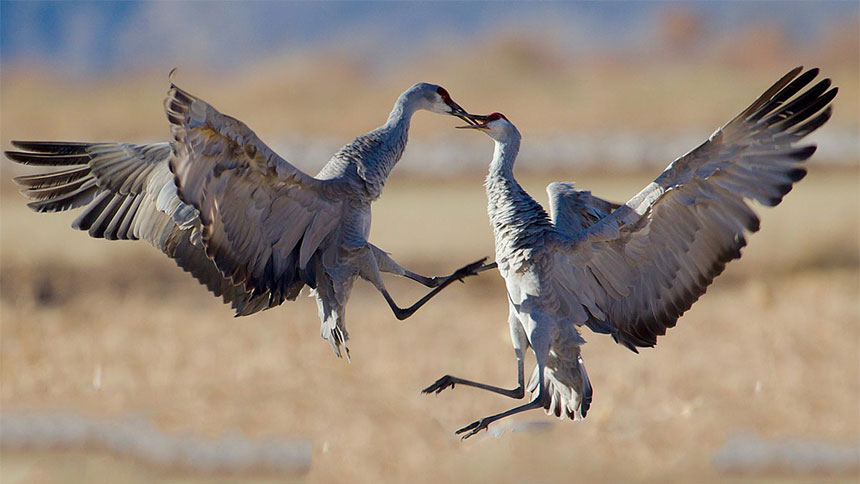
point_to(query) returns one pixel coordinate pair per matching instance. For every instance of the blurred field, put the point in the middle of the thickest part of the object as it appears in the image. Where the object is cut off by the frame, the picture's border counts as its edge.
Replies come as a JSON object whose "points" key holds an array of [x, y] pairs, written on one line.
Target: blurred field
{"points": [[526, 75], [771, 348]]}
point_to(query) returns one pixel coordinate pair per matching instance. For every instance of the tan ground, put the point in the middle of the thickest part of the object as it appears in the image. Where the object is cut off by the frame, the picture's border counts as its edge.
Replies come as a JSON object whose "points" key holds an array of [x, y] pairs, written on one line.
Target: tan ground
{"points": [[772, 348]]}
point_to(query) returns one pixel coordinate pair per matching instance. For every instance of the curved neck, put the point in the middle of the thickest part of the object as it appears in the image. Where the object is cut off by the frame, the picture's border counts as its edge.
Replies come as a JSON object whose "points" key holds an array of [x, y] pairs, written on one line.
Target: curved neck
{"points": [[504, 156], [513, 212], [403, 109], [374, 154]]}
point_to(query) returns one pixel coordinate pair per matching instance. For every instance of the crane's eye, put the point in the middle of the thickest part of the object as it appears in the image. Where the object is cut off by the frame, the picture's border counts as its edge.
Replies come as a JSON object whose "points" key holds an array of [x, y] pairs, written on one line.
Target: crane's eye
{"points": [[443, 93]]}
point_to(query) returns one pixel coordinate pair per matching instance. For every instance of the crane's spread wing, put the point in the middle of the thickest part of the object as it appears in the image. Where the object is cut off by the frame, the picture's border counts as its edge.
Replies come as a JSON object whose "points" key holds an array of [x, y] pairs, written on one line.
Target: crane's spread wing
{"points": [[263, 219], [128, 194], [573, 210], [637, 270]]}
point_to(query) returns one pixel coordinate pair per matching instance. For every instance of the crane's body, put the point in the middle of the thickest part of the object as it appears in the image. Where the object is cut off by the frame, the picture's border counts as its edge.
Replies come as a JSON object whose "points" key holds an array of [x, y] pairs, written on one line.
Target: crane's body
{"points": [[632, 270], [243, 221], [538, 310]]}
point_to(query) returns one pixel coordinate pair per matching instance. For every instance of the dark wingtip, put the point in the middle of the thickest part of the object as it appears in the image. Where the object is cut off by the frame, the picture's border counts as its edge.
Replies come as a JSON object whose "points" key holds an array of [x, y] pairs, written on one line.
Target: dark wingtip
{"points": [[804, 153], [180, 96], [793, 73], [755, 225], [16, 156], [171, 75], [53, 147], [831, 94], [797, 174]]}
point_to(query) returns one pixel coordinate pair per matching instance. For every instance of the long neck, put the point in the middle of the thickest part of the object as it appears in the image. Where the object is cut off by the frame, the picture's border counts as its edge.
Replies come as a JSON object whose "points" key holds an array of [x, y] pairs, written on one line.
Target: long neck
{"points": [[389, 143], [504, 156], [515, 216], [372, 156], [402, 112]]}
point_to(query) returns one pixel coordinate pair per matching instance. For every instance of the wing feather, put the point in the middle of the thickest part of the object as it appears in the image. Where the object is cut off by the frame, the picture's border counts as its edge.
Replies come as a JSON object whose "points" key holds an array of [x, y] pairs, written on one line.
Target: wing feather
{"points": [[256, 209], [648, 261], [572, 210], [127, 193]]}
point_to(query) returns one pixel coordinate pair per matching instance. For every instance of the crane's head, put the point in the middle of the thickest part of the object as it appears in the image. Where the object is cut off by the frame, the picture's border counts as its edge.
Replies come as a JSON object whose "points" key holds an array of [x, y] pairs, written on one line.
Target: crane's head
{"points": [[496, 125], [436, 99]]}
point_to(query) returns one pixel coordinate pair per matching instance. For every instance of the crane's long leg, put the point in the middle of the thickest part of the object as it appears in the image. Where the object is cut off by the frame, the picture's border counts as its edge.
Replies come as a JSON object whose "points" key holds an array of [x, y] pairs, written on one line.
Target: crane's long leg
{"points": [[518, 337], [540, 342], [403, 313], [387, 264], [450, 381], [377, 260], [369, 270]]}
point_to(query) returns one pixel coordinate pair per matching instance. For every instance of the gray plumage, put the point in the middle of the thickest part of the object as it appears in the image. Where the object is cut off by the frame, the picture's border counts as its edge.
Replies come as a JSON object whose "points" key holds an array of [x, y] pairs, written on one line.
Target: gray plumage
{"points": [[632, 270], [243, 221], [572, 210]]}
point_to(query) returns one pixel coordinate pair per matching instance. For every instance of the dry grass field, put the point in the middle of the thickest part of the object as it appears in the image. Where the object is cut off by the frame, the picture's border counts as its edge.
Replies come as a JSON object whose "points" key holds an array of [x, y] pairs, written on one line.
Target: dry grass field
{"points": [[772, 348], [537, 87]]}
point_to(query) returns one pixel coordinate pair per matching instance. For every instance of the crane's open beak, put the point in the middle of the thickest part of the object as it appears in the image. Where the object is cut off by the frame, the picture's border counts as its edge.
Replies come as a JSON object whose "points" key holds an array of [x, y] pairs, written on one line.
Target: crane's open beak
{"points": [[458, 111], [476, 121]]}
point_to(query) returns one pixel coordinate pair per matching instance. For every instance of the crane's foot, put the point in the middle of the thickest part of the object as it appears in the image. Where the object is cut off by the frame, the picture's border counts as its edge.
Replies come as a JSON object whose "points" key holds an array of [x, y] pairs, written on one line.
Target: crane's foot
{"points": [[467, 270], [440, 384], [472, 269], [474, 427]]}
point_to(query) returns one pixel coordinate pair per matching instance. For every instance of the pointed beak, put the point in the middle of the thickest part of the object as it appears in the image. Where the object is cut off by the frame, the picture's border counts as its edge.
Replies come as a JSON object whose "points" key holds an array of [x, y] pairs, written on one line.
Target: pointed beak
{"points": [[476, 121], [458, 111]]}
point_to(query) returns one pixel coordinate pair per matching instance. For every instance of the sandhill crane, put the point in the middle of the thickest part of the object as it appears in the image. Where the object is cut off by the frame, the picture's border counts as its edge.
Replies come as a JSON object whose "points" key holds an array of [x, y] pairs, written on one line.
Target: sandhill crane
{"points": [[242, 220], [632, 271]]}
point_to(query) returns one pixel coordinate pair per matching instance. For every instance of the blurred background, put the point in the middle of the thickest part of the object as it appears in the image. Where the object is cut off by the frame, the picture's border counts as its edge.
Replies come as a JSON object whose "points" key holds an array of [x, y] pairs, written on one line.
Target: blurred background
{"points": [[115, 363]]}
